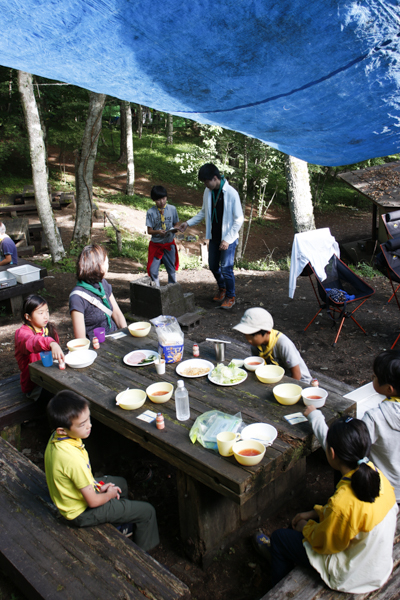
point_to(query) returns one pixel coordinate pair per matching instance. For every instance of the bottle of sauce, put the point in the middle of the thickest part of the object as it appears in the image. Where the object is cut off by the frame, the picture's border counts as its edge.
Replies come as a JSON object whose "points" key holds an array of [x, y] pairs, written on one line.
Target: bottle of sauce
{"points": [[182, 402], [160, 423], [314, 383], [95, 343], [196, 350]]}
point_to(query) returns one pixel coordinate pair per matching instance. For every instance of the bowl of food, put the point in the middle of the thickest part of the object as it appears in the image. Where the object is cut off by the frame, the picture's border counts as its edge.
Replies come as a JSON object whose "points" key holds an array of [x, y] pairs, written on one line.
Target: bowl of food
{"points": [[131, 399], [260, 432], [269, 373], [315, 396], [78, 344], [140, 329], [160, 392], [287, 393], [248, 452], [252, 362], [80, 359]]}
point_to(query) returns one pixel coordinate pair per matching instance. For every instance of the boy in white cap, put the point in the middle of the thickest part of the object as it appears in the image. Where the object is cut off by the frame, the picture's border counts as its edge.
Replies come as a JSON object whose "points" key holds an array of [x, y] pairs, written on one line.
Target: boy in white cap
{"points": [[272, 345]]}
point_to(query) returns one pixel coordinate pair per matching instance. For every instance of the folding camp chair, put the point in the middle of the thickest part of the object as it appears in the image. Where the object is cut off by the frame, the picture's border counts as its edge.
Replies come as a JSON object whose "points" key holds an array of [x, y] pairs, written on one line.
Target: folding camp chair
{"points": [[389, 264], [341, 294], [392, 225]]}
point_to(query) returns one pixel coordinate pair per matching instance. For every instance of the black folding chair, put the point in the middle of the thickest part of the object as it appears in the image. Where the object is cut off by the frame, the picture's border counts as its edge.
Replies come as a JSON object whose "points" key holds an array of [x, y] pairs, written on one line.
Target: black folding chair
{"points": [[341, 294], [388, 263], [392, 225]]}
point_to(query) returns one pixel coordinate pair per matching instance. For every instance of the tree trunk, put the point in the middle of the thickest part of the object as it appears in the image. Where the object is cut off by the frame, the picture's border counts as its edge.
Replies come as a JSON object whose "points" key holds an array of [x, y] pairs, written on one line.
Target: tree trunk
{"points": [[239, 250], [84, 166], [140, 121], [300, 201], [123, 154], [39, 171], [170, 129], [130, 165]]}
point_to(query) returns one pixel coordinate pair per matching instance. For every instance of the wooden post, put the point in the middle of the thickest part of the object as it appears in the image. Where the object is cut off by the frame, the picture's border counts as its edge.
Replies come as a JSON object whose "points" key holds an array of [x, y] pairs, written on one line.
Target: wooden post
{"points": [[117, 232]]}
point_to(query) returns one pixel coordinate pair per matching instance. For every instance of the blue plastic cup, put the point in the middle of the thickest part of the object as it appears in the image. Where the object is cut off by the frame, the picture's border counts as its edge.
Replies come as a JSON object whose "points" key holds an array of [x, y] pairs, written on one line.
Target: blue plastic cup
{"points": [[47, 359]]}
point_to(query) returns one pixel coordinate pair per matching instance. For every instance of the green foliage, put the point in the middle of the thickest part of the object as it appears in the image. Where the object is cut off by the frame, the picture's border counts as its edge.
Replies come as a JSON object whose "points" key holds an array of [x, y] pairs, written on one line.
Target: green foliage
{"points": [[264, 264], [185, 211], [66, 265], [363, 269]]}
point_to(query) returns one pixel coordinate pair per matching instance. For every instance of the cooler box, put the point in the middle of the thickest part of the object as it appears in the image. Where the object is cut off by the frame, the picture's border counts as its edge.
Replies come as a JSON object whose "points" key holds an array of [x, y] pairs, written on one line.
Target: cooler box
{"points": [[25, 273], [7, 279]]}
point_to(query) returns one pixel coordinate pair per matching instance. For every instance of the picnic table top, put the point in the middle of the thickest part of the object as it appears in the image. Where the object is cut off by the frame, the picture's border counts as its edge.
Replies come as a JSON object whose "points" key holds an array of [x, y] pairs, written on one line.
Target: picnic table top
{"points": [[380, 183], [108, 375]]}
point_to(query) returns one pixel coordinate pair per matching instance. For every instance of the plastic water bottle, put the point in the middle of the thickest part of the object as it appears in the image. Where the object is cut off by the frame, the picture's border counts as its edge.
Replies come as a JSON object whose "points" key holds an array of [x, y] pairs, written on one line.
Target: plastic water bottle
{"points": [[182, 402]]}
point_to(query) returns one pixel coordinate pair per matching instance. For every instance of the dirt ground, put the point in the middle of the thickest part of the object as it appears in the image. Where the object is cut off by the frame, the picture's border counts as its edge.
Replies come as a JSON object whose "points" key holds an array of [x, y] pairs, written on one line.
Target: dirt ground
{"points": [[239, 573]]}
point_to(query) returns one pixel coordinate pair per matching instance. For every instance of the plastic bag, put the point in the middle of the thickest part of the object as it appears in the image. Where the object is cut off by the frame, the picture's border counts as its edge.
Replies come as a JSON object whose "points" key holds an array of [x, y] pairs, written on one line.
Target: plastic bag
{"points": [[208, 425], [170, 338]]}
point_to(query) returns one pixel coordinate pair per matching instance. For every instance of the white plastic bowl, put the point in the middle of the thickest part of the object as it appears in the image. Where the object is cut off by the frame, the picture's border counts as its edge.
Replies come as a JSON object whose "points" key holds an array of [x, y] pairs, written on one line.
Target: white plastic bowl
{"points": [[287, 393], [162, 386], [269, 373], [131, 399], [253, 359], [80, 359], [140, 329], [248, 461], [78, 344], [314, 391], [261, 432]]}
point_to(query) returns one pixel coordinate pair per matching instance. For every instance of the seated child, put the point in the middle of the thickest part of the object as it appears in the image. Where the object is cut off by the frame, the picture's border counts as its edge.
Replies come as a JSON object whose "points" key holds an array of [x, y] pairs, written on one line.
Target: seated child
{"points": [[79, 498], [36, 335], [383, 422], [275, 347], [349, 541], [162, 248]]}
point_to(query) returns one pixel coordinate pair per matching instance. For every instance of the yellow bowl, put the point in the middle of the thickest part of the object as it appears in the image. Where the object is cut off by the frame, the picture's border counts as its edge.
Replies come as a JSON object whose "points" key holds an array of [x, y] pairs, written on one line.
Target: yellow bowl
{"points": [[78, 344], [140, 329], [253, 359], [269, 373], [287, 393], [163, 386], [131, 399], [248, 461]]}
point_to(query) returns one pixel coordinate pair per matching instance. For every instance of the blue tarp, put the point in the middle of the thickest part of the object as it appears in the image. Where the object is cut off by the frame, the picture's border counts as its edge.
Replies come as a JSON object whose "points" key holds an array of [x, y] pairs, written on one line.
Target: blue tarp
{"points": [[317, 79]]}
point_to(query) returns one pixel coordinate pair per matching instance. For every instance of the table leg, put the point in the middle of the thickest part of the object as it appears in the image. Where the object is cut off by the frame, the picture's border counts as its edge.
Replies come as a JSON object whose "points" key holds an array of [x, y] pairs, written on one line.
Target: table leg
{"points": [[16, 305], [209, 522]]}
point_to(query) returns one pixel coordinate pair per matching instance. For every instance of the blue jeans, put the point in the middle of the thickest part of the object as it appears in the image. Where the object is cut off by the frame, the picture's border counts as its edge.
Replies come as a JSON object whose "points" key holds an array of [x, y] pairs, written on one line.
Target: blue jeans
{"points": [[221, 265], [287, 550]]}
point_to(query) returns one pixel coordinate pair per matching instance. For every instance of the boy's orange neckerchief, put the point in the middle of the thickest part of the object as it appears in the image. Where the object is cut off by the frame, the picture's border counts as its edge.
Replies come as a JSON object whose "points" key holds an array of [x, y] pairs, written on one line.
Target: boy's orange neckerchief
{"points": [[267, 353]]}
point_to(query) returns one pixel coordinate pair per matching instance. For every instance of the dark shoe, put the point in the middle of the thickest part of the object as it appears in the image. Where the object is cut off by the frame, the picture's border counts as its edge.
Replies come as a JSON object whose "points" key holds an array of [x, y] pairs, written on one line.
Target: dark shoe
{"points": [[220, 296], [262, 545], [228, 303], [126, 529]]}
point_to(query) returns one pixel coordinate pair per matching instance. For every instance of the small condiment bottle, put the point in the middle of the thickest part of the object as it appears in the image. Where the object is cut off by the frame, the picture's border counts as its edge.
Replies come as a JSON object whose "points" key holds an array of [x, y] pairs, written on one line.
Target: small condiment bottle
{"points": [[160, 424], [196, 350], [61, 365], [95, 343], [314, 383]]}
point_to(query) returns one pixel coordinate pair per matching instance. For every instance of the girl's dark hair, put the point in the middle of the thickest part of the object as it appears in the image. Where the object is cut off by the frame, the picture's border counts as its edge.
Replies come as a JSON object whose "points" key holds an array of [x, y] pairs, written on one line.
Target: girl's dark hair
{"points": [[208, 172], [158, 192], [31, 303], [351, 442], [387, 369], [64, 408], [89, 267]]}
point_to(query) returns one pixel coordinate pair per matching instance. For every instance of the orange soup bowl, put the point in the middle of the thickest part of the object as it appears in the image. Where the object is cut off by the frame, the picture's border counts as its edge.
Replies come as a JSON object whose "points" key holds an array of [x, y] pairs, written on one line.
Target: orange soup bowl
{"points": [[248, 447], [160, 392]]}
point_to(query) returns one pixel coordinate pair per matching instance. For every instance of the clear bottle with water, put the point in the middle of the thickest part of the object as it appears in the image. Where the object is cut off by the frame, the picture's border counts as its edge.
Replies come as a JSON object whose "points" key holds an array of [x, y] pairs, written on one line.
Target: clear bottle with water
{"points": [[182, 402]]}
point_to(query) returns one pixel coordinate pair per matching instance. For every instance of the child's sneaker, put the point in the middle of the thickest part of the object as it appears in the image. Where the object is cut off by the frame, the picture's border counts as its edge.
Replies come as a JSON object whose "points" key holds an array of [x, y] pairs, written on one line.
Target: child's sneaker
{"points": [[262, 544], [126, 529]]}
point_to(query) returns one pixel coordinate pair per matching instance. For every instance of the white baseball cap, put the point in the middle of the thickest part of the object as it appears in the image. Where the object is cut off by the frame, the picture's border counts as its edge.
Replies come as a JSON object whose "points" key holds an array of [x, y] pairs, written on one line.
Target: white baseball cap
{"points": [[255, 319]]}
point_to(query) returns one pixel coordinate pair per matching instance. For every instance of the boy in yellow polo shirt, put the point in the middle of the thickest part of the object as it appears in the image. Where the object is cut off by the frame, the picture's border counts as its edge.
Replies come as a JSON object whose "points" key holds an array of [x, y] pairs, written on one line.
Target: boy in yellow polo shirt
{"points": [[78, 496]]}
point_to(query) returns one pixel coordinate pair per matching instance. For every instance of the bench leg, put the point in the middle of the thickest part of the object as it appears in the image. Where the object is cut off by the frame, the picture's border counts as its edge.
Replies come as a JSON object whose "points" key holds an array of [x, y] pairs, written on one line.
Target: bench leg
{"points": [[16, 305], [12, 434]]}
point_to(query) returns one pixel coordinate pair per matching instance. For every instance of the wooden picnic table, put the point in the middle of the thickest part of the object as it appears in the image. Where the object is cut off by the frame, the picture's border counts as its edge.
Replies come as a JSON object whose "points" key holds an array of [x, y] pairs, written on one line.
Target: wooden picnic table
{"points": [[217, 496]]}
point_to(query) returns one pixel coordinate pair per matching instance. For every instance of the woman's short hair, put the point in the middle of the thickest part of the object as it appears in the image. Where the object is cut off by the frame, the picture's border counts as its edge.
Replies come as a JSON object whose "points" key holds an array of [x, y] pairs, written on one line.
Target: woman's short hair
{"points": [[89, 267]]}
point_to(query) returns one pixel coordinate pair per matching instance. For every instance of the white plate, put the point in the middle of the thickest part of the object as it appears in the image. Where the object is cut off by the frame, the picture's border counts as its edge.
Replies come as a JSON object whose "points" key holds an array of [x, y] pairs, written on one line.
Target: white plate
{"points": [[192, 364], [228, 384], [262, 432], [80, 358], [147, 353]]}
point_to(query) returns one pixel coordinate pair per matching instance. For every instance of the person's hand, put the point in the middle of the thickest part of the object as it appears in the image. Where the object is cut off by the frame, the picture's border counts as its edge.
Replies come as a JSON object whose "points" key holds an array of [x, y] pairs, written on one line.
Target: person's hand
{"points": [[301, 519], [224, 245], [110, 488], [56, 351], [162, 233], [309, 410], [182, 228]]}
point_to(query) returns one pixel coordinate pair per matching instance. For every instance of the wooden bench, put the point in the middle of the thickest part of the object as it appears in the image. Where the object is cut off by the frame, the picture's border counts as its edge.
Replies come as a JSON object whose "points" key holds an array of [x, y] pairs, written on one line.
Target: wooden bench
{"points": [[24, 208], [305, 584], [48, 559], [15, 408]]}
